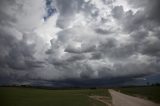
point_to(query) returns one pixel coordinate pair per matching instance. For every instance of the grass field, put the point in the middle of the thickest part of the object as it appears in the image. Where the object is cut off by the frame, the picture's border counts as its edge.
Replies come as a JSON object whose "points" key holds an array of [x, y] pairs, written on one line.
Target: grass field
{"points": [[12, 96], [151, 93]]}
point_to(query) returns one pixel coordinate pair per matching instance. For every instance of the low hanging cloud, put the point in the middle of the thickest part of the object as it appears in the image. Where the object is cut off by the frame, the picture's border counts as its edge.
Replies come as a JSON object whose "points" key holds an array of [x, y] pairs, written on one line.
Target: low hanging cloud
{"points": [[78, 41]]}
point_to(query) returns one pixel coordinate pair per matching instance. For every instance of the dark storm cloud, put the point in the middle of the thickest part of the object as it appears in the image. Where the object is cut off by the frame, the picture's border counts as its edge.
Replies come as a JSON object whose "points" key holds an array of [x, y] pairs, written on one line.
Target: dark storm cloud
{"points": [[137, 25], [151, 8], [5, 17], [130, 21], [88, 71], [102, 31], [110, 48], [140, 23], [83, 49], [68, 60], [151, 47], [67, 10], [16, 54], [96, 55], [103, 82], [118, 12], [91, 43], [147, 17]]}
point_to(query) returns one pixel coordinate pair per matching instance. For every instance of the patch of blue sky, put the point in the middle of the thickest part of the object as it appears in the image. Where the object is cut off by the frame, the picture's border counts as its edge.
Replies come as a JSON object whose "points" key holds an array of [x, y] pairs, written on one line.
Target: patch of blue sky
{"points": [[50, 9]]}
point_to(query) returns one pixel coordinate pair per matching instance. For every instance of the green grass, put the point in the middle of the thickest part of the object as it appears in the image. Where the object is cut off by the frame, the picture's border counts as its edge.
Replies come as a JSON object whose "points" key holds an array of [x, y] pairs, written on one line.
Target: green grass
{"points": [[151, 93], [12, 96]]}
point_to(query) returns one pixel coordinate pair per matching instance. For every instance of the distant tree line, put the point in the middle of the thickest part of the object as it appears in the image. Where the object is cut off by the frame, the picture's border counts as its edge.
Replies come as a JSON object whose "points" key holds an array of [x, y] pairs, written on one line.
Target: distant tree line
{"points": [[155, 84]]}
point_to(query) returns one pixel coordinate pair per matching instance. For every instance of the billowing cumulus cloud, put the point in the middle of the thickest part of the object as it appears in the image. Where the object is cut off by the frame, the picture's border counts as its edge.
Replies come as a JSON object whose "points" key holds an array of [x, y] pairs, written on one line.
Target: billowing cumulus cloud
{"points": [[78, 42]]}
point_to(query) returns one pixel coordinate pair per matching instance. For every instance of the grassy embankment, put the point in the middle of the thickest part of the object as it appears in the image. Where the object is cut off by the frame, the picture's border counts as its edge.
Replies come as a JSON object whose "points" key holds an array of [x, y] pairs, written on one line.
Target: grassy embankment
{"points": [[152, 93]]}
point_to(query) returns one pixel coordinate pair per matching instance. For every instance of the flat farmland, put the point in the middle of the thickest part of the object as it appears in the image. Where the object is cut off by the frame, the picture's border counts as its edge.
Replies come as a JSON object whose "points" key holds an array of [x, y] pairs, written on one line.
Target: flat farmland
{"points": [[16, 96]]}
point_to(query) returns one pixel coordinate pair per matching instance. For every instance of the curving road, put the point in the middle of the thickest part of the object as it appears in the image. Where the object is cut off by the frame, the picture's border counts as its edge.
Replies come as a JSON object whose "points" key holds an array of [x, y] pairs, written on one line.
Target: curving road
{"points": [[119, 99]]}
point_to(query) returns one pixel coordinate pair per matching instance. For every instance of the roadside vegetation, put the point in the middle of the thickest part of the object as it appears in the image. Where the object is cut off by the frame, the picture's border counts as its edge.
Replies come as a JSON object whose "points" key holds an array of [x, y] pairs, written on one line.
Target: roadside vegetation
{"points": [[149, 92]]}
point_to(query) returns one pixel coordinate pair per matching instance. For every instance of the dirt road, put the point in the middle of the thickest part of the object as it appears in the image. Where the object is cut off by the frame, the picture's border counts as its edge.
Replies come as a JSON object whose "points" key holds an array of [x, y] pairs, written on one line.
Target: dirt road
{"points": [[103, 99], [119, 99]]}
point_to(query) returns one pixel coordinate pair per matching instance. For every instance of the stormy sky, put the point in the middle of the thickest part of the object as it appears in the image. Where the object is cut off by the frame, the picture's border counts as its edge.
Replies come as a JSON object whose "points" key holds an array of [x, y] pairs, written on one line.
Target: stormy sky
{"points": [[79, 42]]}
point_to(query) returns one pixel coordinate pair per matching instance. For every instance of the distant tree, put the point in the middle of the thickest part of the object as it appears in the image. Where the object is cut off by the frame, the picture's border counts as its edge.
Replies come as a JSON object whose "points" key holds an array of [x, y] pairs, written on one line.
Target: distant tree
{"points": [[157, 84]]}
